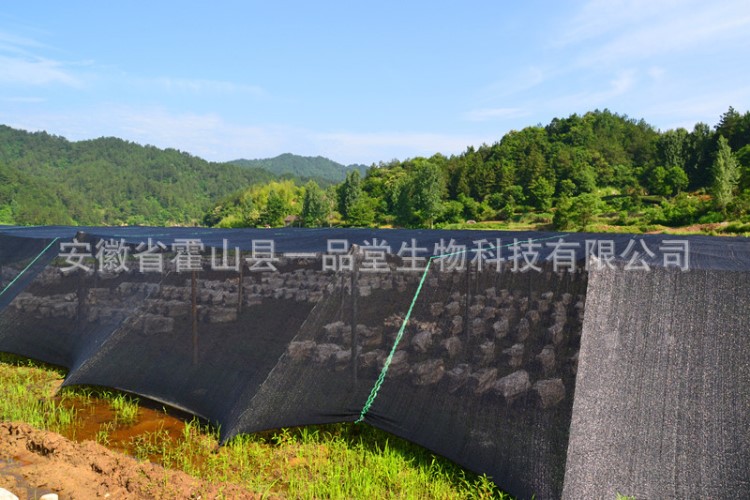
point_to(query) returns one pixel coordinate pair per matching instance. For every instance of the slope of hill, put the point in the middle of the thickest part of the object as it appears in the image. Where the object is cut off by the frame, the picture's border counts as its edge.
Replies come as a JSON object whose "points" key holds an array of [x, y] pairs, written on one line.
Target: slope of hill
{"points": [[45, 179], [597, 168], [305, 167]]}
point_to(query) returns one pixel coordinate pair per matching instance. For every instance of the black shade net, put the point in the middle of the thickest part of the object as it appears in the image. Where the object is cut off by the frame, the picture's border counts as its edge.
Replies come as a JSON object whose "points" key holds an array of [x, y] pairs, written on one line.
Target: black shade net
{"points": [[477, 358]]}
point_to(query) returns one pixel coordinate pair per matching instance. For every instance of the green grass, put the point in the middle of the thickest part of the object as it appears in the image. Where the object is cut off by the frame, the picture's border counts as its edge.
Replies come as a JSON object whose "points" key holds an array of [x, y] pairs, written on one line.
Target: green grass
{"points": [[103, 434], [26, 390], [737, 228], [520, 225], [652, 215], [607, 224], [329, 461], [125, 408]]}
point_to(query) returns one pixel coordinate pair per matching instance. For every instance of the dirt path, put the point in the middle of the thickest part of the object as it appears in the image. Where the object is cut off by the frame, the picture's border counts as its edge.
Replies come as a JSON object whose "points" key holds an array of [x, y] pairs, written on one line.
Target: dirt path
{"points": [[34, 462]]}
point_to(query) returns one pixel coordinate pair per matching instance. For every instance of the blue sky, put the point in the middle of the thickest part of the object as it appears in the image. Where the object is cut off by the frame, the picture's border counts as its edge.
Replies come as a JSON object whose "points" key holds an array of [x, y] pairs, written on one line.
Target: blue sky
{"points": [[362, 83]]}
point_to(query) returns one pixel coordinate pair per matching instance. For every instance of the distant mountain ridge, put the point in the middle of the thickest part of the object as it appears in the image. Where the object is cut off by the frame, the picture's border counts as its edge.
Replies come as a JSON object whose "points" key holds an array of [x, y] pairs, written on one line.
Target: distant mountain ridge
{"points": [[306, 167], [47, 179]]}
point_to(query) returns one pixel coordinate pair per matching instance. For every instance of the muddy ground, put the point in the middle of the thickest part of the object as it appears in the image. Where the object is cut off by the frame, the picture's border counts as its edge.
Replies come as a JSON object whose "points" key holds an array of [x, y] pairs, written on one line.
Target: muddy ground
{"points": [[35, 462]]}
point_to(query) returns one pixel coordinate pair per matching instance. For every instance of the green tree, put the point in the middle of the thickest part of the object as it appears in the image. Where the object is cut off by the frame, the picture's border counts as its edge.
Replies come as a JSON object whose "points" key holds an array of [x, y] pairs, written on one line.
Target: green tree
{"points": [[541, 191], [315, 207], [349, 192], [574, 165], [472, 208], [682, 210], [427, 188], [577, 212], [676, 179], [735, 127], [672, 147], [514, 195], [700, 143], [276, 210], [743, 158], [362, 212], [453, 211], [726, 175], [562, 218], [666, 181]]}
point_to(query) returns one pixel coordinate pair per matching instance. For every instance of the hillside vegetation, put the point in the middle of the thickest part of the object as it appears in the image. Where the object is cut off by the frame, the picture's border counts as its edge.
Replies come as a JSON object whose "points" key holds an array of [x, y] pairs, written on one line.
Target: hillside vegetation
{"points": [[46, 179], [304, 167], [597, 171]]}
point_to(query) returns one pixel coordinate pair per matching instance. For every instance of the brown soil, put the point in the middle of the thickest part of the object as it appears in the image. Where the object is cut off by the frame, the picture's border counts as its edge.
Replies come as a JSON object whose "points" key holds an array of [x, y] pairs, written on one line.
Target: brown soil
{"points": [[34, 462], [695, 228], [706, 227]]}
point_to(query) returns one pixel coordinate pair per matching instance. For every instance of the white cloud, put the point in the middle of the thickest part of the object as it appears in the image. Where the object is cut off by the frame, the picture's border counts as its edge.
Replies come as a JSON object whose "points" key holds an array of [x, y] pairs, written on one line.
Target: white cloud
{"points": [[21, 99], [20, 66], [35, 71], [17, 44], [21, 63], [668, 61], [487, 114], [211, 137], [202, 86], [656, 73], [599, 17], [706, 106], [623, 82], [369, 147], [206, 135], [638, 29], [517, 81]]}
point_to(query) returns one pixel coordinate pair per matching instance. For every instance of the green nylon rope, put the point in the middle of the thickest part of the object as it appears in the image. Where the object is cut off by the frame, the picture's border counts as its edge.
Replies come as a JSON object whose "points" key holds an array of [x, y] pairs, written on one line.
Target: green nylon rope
{"points": [[381, 377], [387, 364], [28, 266]]}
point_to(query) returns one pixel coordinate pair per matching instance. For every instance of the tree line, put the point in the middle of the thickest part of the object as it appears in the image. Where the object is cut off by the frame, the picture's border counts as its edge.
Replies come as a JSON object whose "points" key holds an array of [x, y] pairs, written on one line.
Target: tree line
{"points": [[569, 171]]}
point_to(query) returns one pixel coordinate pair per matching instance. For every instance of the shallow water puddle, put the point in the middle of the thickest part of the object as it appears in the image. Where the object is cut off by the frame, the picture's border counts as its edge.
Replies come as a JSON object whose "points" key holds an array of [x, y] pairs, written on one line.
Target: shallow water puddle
{"points": [[97, 421]]}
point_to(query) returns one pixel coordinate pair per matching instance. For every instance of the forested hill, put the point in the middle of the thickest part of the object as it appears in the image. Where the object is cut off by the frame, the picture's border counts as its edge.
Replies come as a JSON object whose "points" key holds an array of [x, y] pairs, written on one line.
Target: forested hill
{"points": [[568, 173], [305, 167], [597, 163], [45, 179], [596, 171]]}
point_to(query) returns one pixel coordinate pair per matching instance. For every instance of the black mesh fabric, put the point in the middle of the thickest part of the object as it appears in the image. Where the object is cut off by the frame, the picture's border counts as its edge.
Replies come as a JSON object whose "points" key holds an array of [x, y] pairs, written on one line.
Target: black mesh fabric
{"points": [[21, 259], [486, 371], [662, 407], [497, 351]]}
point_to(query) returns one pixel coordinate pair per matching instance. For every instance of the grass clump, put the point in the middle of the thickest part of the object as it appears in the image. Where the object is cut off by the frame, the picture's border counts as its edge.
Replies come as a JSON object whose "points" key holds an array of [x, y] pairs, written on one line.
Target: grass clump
{"points": [[125, 408], [104, 432], [27, 389]]}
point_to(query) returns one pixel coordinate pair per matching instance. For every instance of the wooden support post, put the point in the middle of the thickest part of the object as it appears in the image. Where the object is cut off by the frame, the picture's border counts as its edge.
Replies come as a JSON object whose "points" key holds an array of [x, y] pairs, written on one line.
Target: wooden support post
{"points": [[468, 300], [355, 339], [239, 289], [194, 311]]}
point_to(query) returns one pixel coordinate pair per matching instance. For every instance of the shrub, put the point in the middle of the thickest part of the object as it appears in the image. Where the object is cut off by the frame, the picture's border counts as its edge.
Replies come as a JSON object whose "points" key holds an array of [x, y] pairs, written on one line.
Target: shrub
{"points": [[682, 210], [711, 218]]}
